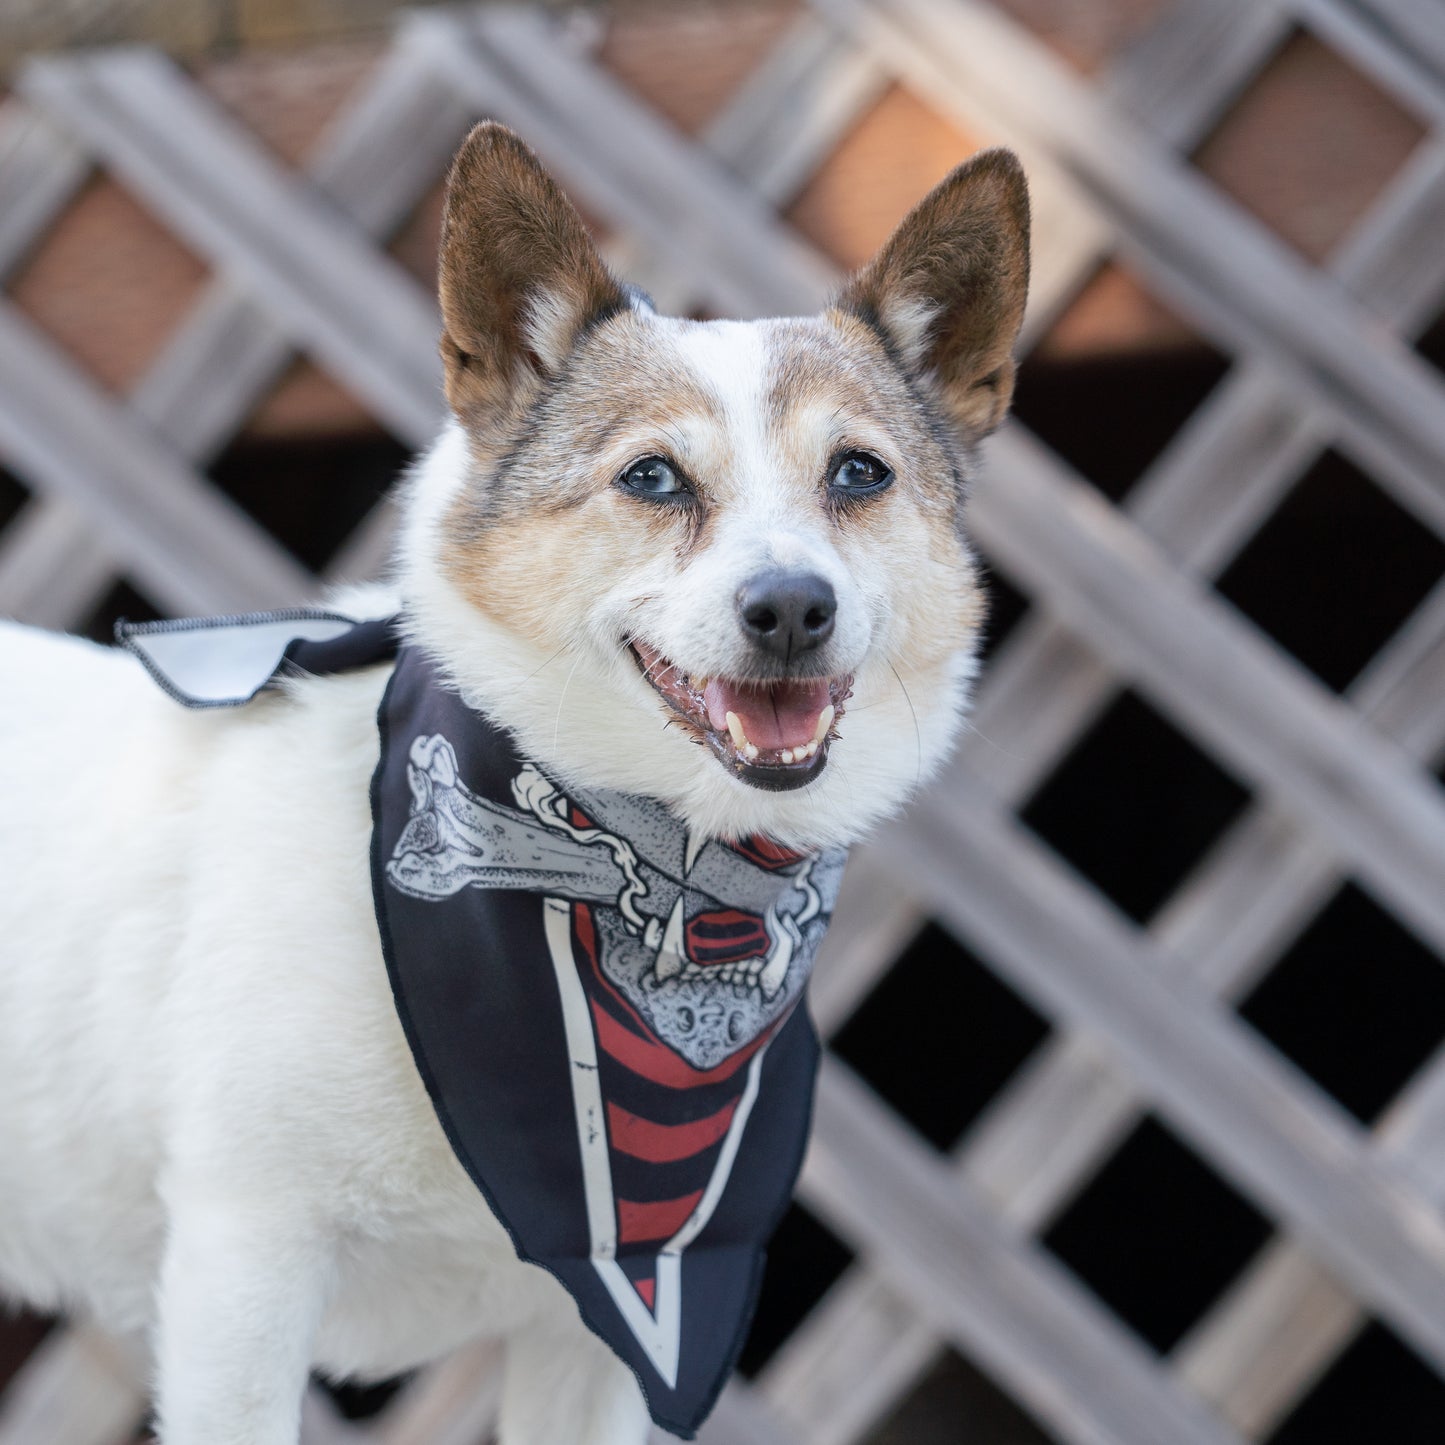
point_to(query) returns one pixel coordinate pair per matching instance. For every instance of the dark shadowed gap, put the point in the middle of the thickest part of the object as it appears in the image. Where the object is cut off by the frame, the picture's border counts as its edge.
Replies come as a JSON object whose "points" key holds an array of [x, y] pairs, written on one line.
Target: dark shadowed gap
{"points": [[1431, 344], [1358, 1003], [1134, 806], [1335, 570], [1377, 1391], [1110, 417], [1006, 609], [13, 496], [123, 600], [310, 492], [805, 1258], [955, 1403], [939, 1036], [1157, 1235]]}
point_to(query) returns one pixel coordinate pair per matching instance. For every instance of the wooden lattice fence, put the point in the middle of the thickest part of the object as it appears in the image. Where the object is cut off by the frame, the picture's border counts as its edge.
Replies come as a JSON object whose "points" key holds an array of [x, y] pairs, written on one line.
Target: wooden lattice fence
{"points": [[947, 1251]]}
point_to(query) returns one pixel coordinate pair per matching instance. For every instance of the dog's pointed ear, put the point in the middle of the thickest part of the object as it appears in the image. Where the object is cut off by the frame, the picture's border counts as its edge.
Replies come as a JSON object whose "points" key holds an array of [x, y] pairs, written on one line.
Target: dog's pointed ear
{"points": [[519, 275], [947, 290]]}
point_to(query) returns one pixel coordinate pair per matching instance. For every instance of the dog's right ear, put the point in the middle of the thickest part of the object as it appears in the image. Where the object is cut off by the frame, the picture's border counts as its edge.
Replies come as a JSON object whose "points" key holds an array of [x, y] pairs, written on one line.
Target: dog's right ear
{"points": [[519, 276]]}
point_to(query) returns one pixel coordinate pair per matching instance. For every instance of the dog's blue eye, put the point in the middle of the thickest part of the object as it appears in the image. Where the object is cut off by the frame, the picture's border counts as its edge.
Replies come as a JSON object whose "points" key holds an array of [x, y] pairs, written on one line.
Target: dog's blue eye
{"points": [[653, 477], [860, 472]]}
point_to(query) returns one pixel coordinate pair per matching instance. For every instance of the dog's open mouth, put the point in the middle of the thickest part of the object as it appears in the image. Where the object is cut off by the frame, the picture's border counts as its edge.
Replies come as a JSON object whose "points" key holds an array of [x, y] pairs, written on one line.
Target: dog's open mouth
{"points": [[772, 735]]}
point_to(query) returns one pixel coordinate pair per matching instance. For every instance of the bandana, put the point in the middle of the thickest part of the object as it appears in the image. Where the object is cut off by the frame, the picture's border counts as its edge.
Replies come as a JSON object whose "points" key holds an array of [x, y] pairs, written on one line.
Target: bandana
{"points": [[606, 1011]]}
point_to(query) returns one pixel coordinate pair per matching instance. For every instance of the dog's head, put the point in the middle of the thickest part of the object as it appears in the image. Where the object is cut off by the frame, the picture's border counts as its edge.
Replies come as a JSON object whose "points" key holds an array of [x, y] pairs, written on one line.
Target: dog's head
{"points": [[721, 563]]}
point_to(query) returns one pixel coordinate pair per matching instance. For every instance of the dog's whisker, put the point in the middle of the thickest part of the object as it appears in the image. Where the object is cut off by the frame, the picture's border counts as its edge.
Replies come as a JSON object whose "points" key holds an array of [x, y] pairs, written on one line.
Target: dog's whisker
{"points": [[557, 728], [984, 737], [917, 734], [531, 675]]}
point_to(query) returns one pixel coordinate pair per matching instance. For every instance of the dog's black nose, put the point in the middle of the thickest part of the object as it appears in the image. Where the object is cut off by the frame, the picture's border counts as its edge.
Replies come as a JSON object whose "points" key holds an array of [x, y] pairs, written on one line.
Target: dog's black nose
{"points": [[787, 613]]}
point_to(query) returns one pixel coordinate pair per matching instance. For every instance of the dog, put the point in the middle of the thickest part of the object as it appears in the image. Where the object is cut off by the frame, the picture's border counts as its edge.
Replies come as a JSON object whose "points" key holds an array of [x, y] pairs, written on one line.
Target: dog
{"points": [[716, 566]]}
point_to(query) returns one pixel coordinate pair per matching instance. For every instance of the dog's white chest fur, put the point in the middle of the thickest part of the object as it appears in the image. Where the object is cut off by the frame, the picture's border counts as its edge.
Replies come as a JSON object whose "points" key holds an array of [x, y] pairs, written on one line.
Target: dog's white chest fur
{"points": [[191, 965]]}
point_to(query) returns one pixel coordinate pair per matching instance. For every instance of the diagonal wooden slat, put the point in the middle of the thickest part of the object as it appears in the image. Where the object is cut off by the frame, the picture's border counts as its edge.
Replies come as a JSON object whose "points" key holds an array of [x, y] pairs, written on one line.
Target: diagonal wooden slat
{"points": [[622, 164], [42, 1406], [1411, 27], [1399, 70], [788, 116], [352, 307], [1188, 68], [229, 349], [1255, 1117], [1205, 665], [53, 566], [192, 548], [41, 169], [454, 1403], [1000, 1298]]}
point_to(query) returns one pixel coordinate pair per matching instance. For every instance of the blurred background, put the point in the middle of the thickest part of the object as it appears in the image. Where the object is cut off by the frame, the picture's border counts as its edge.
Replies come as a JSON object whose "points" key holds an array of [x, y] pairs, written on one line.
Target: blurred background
{"points": [[1132, 1129]]}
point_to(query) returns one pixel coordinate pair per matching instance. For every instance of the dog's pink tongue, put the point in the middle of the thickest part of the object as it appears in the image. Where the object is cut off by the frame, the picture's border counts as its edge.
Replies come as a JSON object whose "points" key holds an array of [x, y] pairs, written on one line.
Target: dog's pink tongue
{"points": [[783, 715]]}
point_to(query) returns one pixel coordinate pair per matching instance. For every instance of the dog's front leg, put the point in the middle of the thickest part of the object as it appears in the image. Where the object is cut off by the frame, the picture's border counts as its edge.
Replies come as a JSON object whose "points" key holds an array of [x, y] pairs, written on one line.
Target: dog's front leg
{"points": [[242, 1294], [566, 1385]]}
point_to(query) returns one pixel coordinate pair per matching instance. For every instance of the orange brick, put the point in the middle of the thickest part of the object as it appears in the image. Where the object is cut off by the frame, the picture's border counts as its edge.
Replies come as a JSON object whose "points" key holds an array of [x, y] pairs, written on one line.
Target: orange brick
{"points": [[109, 283], [686, 61], [1309, 145], [889, 161]]}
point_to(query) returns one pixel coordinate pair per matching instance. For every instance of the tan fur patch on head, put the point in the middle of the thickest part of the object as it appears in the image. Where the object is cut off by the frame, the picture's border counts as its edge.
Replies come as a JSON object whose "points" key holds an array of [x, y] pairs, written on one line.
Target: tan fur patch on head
{"points": [[617, 399]]}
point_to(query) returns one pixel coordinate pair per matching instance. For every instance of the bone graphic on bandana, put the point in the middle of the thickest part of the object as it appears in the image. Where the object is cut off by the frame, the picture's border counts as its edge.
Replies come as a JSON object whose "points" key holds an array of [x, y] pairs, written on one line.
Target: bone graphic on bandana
{"points": [[708, 945]]}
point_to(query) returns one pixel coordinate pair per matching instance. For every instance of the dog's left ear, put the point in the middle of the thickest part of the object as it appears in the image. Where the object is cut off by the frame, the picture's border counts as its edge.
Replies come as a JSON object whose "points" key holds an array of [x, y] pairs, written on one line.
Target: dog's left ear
{"points": [[519, 275], [948, 288]]}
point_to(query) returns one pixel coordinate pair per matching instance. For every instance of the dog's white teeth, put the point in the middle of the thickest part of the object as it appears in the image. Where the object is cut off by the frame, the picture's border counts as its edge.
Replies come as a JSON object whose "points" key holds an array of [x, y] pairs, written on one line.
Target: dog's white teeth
{"points": [[786, 755], [825, 721], [811, 751], [750, 752], [735, 727]]}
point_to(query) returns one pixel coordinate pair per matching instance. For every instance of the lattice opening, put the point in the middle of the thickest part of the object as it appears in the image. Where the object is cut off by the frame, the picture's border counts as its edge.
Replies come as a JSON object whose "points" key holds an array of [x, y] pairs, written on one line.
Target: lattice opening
{"points": [[1378, 1390], [1310, 145], [1157, 1235], [1335, 570], [13, 496], [363, 1402], [1114, 379], [805, 1259], [1358, 1003], [956, 1401], [123, 600], [885, 164], [110, 283], [939, 1036], [310, 464], [1431, 344], [1006, 609], [286, 99], [20, 1333], [1134, 806]]}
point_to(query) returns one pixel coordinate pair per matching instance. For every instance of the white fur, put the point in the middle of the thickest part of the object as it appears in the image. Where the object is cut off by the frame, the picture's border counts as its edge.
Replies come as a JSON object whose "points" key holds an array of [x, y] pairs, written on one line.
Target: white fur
{"points": [[212, 1132]]}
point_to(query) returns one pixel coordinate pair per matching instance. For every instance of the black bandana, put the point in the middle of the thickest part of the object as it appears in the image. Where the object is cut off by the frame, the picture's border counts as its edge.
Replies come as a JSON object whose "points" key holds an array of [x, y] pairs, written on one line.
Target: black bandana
{"points": [[607, 1014]]}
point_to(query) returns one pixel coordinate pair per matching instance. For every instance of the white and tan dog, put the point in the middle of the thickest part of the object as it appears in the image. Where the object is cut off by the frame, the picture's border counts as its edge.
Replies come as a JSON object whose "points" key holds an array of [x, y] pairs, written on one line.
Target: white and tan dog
{"points": [[716, 563]]}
